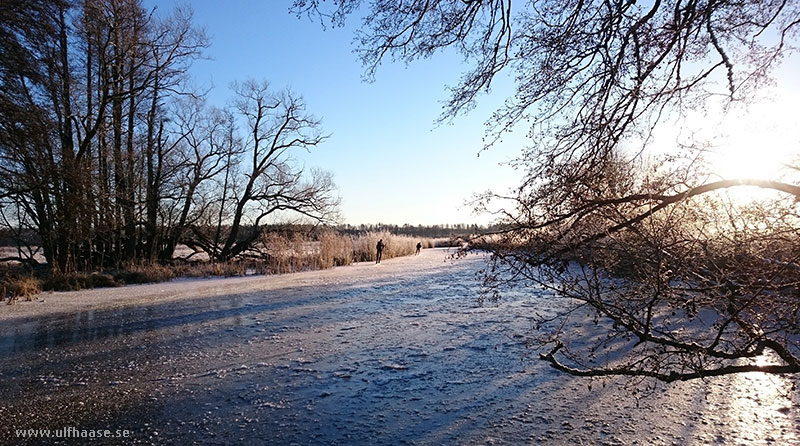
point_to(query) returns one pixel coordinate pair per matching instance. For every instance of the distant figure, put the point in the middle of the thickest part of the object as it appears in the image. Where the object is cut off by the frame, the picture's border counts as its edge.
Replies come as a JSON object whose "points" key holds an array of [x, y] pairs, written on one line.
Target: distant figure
{"points": [[379, 247], [419, 246]]}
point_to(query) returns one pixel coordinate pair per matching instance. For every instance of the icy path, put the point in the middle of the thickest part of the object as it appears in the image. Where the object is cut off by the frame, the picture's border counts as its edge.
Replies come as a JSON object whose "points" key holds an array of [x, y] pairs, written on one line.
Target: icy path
{"points": [[390, 354]]}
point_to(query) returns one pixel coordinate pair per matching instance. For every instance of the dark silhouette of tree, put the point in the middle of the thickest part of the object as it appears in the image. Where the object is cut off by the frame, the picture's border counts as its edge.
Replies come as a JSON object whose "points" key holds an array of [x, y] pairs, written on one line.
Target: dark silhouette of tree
{"points": [[260, 179], [84, 152], [108, 158], [426, 231], [204, 140], [681, 282]]}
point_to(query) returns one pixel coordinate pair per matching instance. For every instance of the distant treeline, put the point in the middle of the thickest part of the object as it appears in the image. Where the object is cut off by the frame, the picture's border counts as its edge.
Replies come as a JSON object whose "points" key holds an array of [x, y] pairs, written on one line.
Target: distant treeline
{"points": [[429, 231]]}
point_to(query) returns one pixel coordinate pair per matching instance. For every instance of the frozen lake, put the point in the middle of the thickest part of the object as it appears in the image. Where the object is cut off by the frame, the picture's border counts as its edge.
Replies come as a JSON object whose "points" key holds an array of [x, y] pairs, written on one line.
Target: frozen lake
{"points": [[397, 353]]}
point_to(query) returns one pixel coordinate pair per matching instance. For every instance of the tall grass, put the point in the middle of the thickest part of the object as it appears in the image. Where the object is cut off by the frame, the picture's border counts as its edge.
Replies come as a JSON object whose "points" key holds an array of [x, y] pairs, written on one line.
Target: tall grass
{"points": [[19, 287], [335, 250], [277, 253], [364, 247], [298, 252]]}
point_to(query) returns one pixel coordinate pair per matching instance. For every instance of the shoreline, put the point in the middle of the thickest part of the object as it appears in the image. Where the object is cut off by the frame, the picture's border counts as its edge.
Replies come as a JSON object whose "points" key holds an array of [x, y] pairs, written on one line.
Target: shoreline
{"points": [[54, 302]]}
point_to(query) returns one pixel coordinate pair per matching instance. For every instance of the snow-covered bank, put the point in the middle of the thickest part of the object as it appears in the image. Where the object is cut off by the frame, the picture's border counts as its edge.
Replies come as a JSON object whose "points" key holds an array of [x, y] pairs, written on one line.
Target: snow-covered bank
{"points": [[183, 288]]}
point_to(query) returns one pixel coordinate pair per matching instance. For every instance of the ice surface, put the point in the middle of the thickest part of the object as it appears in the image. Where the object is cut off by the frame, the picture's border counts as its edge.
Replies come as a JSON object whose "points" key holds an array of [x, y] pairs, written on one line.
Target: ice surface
{"points": [[394, 354]]}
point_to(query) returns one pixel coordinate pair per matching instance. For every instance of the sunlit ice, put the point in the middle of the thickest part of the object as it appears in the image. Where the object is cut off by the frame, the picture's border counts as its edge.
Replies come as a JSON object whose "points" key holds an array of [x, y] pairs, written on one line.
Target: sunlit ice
{"points": [[756, 393]]}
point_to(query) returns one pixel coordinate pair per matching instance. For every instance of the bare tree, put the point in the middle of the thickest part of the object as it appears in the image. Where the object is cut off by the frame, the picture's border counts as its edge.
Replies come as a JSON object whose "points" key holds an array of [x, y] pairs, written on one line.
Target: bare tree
{"points": [[262, 180], [206, 145], [83, 118], [631, 238], [111, 159], [175, 42]]}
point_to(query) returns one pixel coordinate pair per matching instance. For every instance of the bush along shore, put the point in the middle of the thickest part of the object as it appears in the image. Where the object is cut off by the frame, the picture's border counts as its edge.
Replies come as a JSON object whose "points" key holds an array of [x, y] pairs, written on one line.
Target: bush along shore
{"points": [[277, 253]]}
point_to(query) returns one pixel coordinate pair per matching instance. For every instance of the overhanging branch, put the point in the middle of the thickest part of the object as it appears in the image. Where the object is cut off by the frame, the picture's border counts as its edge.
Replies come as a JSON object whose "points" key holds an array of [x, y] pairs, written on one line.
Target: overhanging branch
{"points": [[666, 377]]}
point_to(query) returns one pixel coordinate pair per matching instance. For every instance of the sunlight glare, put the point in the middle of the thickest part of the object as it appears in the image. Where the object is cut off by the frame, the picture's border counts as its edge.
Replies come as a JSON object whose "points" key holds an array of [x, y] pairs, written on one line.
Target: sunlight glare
{"points": [[756, 401], [757, 142]]}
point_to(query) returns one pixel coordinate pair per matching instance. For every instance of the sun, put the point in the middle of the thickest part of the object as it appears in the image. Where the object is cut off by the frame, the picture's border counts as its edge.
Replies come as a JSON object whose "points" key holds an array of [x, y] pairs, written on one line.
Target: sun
{"points": [[757, 142]]}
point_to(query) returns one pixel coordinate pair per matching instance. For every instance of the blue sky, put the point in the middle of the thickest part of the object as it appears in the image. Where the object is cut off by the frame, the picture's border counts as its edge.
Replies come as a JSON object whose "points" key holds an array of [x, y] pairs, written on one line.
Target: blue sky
{"points": [[392, 164]]}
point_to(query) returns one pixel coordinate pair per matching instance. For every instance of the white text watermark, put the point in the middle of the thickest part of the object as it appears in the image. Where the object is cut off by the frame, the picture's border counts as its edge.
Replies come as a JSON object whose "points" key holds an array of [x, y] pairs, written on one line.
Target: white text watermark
{"points": [[73, 432]]}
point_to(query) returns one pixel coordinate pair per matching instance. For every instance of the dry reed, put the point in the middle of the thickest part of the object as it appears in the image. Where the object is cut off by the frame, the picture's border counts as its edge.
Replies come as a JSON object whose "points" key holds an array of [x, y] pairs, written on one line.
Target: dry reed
{"points": [[277, 253]]}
